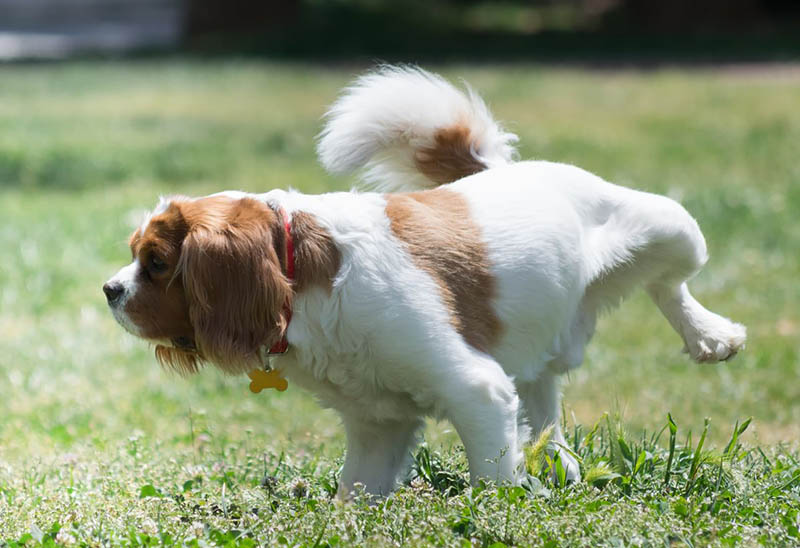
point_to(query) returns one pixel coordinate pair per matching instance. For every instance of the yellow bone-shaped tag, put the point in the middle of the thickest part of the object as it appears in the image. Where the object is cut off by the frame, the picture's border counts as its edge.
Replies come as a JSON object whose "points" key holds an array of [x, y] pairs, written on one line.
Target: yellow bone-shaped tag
{"points": [[261, 379]]}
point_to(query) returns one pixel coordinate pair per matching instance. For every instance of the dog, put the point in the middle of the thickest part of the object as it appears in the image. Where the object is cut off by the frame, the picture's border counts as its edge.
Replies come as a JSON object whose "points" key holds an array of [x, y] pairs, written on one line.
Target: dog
{"points": [[462, 290]]}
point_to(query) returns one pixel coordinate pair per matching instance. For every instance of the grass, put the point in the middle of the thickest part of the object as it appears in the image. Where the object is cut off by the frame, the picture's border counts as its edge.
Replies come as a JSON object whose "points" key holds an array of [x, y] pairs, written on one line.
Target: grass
{"points": [[99, 446]]}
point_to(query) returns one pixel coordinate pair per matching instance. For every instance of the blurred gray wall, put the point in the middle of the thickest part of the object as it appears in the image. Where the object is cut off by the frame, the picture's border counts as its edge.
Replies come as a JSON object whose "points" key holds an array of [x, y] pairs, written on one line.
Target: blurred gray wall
{"points": [[59, 28]]}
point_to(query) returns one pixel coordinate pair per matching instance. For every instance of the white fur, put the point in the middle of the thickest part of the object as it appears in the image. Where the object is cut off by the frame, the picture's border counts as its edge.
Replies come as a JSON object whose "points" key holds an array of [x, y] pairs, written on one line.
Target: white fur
{"points": [[385, 116], [563, 245], [127, 278], [381, 350]]}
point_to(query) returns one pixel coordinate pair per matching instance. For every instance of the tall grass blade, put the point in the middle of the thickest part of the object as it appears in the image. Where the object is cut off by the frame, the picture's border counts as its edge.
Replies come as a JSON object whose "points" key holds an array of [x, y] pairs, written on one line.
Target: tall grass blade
{"points": [[696, 457], [534, 453], [737, 431], [673, 432]]}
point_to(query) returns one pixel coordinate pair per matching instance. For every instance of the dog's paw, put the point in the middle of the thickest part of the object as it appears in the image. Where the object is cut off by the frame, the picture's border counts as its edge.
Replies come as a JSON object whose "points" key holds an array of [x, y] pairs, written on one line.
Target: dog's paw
{"points": [[714, 339]]}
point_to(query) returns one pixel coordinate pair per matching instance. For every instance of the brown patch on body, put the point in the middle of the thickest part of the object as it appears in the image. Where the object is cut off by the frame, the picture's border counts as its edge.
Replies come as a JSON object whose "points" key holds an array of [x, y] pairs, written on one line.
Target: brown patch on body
{"points": [[316, 257], [451, 157], [444, 242]]}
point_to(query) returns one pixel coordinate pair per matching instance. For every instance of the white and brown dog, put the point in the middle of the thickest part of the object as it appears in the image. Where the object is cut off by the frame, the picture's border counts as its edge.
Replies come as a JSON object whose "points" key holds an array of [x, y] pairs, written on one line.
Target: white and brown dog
{"points": [[463, 297]]}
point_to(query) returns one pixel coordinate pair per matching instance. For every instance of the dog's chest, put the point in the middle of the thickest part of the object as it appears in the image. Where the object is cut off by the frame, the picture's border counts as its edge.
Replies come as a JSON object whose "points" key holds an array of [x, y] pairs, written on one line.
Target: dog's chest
{"points": [[355, 390]]}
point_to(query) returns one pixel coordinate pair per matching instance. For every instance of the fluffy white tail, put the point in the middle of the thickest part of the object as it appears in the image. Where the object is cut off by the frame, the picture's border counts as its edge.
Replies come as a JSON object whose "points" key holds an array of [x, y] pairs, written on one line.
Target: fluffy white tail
{"points": [[410, 129]]}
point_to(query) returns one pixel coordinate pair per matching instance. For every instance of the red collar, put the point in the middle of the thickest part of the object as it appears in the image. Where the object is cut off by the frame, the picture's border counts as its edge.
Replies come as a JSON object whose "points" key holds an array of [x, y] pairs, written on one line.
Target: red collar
{"points": [[282, 345]]}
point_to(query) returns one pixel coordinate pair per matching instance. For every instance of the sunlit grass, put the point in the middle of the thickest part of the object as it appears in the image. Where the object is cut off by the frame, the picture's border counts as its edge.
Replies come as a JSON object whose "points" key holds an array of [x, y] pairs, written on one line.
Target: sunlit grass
{"points": [[87, 419]]}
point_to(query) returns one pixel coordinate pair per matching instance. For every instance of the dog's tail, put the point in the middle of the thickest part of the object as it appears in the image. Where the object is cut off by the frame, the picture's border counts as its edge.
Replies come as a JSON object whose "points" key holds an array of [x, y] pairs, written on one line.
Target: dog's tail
{"points": [[410, 129]]}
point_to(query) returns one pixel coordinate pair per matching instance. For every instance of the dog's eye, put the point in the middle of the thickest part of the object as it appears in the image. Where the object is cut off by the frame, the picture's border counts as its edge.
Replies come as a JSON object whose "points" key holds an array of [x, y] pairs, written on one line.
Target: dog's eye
{"points": [[157, 265]]}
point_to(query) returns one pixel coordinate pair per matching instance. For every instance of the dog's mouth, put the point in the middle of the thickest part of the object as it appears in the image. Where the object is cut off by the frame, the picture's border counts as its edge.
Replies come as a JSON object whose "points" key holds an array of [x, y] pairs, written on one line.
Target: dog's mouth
{"points": [[124, 321]]}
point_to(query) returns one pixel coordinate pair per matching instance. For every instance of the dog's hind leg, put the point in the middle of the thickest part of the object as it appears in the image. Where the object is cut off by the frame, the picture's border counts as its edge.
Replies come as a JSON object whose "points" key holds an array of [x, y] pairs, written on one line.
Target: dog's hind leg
{"points": [[708, 337], [541, 400], [652, 240], [681, 252]]}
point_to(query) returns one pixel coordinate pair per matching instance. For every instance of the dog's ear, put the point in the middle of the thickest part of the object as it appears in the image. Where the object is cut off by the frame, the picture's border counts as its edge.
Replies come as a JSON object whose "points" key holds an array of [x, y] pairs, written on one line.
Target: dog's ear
{"points": [[231, 266]]}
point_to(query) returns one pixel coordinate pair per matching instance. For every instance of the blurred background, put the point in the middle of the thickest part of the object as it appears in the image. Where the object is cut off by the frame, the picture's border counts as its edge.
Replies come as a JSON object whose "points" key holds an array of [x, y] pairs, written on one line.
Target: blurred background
{"points": [[556, 30], [107, 104]]}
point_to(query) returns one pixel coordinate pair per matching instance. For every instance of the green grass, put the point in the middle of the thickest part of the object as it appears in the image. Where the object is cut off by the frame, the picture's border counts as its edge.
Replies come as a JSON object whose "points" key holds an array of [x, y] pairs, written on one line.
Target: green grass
{"points": [[99, 446]]}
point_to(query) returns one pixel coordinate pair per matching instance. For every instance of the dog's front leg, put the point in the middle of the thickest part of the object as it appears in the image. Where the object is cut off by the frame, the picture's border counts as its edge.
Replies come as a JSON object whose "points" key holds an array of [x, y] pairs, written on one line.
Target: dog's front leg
{"points": [[481, 402], [377, 452]]}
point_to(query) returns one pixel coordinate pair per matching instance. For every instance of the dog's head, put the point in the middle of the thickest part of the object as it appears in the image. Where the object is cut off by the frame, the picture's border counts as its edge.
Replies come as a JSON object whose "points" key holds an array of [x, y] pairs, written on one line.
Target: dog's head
{"points": [[206, 282]]}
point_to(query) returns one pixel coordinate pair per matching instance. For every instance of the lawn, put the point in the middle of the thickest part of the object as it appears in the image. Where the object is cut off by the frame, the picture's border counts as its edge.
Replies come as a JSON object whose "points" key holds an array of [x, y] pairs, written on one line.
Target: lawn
{"points": [[99, 446]]}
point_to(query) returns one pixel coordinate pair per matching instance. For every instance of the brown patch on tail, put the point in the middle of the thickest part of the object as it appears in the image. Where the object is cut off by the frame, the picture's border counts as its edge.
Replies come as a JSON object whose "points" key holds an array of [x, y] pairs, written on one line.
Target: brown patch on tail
{"points": [[451, 157], [445, 242]]}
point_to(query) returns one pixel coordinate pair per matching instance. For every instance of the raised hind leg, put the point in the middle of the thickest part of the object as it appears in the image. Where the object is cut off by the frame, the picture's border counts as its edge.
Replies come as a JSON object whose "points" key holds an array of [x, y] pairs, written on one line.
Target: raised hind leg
{"points": [[651, 240], [708, 337]]}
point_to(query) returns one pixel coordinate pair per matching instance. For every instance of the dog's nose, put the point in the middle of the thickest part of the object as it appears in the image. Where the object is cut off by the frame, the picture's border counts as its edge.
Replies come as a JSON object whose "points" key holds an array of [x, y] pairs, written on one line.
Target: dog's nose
{"points": [[113, 291]]}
